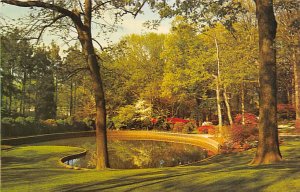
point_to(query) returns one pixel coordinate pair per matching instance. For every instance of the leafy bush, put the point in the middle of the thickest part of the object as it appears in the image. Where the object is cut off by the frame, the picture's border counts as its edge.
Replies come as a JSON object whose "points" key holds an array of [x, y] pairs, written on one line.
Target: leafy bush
{"points": [[248, 131], [22, 126], [245, 136], [160, 123], [249, 118], [178, 127], [49, 122], [125, 117], [7, 126], [61, 122], [25, 126], [206, 129], [70, 120], [30, 120], [8, 121], [21, 120], [90, 123], [188, 127]]}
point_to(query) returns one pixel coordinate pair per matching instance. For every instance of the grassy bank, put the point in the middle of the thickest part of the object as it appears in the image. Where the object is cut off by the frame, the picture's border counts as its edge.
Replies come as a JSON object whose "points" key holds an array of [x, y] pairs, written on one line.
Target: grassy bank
{"points": [[36, 168]]}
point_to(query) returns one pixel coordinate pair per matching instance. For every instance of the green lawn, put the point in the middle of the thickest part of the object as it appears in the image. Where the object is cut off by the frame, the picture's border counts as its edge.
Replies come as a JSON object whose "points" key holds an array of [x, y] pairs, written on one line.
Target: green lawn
{"points": [[36, 168]]}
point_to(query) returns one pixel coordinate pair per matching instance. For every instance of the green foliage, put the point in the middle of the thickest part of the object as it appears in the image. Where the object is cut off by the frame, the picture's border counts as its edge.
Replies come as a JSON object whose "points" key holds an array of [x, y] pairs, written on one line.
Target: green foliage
{"points": [[125, 117], [45, 103], [21, 121], [90, 122], [178, 127], [136, 63], [30, 120], [70, 120], [133, 116], [61, 122], [7, 121], [22, 126], [189, 127]]}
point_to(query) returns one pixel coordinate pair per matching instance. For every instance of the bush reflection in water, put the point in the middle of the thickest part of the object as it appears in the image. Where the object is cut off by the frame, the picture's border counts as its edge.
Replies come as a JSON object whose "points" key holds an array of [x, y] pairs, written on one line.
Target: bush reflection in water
{"points": [[142, 154]]}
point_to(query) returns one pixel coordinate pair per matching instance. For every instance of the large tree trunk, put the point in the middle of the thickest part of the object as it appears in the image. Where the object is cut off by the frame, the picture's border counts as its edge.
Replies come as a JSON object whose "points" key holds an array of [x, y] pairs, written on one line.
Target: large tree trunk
{"points": [[268, 145], [297, 85], [85, 38], [101, 135]]}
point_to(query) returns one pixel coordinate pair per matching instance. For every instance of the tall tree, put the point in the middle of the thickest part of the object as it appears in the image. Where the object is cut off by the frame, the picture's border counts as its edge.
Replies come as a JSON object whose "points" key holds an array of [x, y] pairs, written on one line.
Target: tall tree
{"points": [[268, 145], [136, 63], [56, 63], [17, 67], [185, 77], [45, 89]]}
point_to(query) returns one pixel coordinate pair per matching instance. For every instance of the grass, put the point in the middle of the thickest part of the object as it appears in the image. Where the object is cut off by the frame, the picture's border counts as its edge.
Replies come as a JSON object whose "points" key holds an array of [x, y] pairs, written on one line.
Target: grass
{"points": [[36, 168]]}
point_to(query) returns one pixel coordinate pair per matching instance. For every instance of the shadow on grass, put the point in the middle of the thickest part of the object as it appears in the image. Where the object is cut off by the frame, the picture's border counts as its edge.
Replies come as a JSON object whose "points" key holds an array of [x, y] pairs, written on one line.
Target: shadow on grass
{"points": [[218, 177], [229, 172], [222, 173]]}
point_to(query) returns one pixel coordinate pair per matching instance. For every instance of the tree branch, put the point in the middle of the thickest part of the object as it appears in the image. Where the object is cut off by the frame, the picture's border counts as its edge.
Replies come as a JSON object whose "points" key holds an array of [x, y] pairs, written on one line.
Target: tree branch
{"points": [[75, 18], [49, 25], [98, 5], [74, 72], [134, 13], [101, 47]]}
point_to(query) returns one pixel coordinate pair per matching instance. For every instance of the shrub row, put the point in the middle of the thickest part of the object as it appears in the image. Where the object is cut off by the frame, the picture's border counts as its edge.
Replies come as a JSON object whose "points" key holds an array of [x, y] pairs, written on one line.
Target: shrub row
{"points": [[24, 126]]}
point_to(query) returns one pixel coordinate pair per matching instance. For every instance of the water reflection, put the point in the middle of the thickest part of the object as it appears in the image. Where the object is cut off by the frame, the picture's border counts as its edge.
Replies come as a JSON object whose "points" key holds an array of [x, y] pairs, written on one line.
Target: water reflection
{"points": [[142, 154]]}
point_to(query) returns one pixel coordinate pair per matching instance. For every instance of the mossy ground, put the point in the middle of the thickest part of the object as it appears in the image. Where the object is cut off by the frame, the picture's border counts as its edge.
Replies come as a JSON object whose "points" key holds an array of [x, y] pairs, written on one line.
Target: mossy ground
{"points": [[36, 168]]}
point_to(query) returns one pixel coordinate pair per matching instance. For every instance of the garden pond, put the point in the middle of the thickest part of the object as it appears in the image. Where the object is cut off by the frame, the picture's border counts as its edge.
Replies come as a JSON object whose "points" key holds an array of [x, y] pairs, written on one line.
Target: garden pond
{"points": [[135, 154]]}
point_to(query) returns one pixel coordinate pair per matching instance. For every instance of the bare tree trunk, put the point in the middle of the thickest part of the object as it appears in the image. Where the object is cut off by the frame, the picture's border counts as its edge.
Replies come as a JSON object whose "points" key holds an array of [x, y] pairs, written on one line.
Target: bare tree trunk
{"points": [[218, 89], [56, 92], [22, 104], [268, 145], [243, 103], [71, 99], [75, 97], [10, 102], [227, 106]]}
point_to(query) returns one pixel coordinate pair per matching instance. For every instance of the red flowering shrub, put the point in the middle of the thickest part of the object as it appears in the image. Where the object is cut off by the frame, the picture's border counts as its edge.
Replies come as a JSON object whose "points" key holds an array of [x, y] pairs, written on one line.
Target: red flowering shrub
{"points": [[206, 129], [245, 132], [245, 136], [249, 118], [237, 133]]}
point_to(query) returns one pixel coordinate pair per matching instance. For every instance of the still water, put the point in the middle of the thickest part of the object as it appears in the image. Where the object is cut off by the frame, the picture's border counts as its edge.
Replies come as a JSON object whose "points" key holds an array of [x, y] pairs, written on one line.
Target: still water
{"points": [[142, 154]]}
